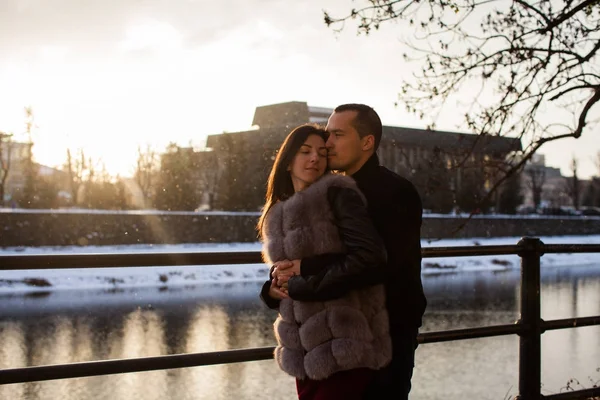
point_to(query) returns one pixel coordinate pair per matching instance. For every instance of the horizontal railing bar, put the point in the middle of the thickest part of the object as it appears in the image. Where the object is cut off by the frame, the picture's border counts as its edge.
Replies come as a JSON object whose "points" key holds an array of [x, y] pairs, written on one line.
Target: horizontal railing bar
{"points": [[109, 367], [101, 260], [571, 323], [576, 394], [470, 333], [494, 250], [462, 251], [571, 248], [108, 260]]}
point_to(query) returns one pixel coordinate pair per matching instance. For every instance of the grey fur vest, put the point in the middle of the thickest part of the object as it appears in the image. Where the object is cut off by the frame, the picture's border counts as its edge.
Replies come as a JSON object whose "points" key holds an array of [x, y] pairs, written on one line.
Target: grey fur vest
{"points": [[317, 339]]}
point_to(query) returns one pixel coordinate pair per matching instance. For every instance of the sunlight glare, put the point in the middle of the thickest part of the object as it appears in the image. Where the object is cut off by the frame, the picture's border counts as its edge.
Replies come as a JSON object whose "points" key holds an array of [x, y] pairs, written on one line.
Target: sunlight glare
{"points": [[151, 34]]}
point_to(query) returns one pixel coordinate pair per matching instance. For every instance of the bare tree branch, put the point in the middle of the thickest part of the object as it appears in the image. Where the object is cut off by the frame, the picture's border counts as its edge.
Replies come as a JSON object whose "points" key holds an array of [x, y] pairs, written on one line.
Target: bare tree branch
{"points": [[529, 59]]}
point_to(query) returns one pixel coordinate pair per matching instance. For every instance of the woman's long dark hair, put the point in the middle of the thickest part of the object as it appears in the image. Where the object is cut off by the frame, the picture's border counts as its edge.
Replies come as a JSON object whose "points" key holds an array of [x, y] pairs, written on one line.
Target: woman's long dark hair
{"points": [[279, 184]]}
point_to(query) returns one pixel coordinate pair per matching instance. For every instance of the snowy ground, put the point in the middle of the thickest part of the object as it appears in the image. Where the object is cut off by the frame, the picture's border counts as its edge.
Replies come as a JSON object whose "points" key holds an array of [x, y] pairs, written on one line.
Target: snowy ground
{"points": [[110, 278]]}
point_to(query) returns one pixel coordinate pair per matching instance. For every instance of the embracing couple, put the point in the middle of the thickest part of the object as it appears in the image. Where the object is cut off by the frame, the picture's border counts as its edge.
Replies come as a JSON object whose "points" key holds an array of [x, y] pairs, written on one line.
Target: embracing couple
{"points": [[342, 234]]}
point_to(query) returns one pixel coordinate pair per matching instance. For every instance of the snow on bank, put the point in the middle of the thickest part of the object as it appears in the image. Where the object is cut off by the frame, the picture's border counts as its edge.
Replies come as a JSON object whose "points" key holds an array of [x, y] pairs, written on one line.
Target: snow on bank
{"points": [[110, 278]]}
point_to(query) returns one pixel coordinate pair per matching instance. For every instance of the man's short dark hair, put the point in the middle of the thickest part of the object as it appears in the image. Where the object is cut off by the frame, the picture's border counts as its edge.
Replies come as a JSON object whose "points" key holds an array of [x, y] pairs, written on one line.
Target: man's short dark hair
{"points": [[366, 122]]}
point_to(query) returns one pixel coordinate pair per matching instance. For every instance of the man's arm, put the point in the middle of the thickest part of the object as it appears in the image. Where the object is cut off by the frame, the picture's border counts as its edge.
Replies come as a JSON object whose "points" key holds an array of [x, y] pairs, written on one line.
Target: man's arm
{"points": [[330, 276]]}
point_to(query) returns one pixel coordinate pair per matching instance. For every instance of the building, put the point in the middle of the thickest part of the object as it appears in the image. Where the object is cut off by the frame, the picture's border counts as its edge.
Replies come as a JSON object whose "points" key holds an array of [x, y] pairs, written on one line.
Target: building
{"points": [[244, 159], [546, 185], [14, 157]]}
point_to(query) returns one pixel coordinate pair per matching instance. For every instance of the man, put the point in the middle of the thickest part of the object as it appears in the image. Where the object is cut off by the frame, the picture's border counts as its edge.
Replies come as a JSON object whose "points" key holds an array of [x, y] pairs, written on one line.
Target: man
{"points": [[395, 206]]}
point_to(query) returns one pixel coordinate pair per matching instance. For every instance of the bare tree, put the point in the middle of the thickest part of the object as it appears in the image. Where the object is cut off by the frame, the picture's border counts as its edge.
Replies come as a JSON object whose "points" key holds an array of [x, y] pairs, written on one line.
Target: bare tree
{"points": [[573, 184], [30, 170], [78, 168], [525, 58], [5, 161], [208, 176], [146, 170], [88, 182], [100, 189], [537, 178]]}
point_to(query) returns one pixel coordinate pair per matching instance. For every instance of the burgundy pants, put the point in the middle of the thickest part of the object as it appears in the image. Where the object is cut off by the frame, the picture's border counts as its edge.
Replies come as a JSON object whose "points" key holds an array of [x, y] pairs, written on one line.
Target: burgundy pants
{"points": [[344, 385]]}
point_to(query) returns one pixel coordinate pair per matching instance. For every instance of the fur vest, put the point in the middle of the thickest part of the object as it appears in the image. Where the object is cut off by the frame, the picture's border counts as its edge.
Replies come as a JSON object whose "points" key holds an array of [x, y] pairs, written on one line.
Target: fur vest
{"points": [[317, 339]]}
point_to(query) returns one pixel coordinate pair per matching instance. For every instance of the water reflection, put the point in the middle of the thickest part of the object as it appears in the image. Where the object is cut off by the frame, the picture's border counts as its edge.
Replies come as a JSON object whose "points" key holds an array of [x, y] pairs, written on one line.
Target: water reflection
{"points": [[72, 326], [478, 368], [12, 354], [208, 330]]}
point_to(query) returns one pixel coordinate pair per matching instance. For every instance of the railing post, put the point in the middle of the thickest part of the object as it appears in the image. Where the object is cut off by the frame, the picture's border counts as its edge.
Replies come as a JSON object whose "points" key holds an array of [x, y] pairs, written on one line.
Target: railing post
{"points": [[530, 338]]}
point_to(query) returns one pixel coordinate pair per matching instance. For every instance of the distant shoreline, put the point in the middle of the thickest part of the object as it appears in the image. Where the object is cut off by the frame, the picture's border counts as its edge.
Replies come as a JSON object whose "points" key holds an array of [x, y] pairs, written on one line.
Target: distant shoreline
{"points": [[104, 228]]}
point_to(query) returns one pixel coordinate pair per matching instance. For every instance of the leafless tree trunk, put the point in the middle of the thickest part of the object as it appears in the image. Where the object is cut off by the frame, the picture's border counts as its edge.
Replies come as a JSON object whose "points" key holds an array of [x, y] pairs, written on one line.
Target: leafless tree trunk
{"points": [[5, 158], [210, 174], [573, 185], [537, 178], [76, 168], [30, 170], [146, 169]]}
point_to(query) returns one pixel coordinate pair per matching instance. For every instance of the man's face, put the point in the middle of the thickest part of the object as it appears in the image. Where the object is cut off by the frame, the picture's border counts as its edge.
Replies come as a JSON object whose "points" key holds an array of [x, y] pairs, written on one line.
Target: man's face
{"points": [[345, 147]]}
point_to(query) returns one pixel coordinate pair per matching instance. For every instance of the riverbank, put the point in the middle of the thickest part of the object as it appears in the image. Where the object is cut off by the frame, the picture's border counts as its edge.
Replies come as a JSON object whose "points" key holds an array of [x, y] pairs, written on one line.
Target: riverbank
{"points": [[169, 277]]}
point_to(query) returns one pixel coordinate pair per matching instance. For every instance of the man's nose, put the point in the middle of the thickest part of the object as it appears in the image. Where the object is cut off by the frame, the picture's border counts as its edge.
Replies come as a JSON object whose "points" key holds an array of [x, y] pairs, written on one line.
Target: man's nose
{"points": [[329, 143]]}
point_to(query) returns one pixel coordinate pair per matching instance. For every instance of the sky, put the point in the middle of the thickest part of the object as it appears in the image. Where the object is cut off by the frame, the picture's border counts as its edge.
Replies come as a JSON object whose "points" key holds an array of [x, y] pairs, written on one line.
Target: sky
{"points": [[109, 278], [109, 76]]}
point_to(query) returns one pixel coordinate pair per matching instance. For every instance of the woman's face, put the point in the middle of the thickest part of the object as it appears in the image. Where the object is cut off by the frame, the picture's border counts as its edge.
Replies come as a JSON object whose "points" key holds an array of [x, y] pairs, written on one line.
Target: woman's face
{"points": [[309, 163]]}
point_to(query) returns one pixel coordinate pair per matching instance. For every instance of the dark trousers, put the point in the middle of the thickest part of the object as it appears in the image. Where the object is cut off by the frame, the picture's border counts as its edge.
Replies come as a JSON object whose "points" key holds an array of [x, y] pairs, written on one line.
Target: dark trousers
{"points": [[394, 381], [344, 385]]}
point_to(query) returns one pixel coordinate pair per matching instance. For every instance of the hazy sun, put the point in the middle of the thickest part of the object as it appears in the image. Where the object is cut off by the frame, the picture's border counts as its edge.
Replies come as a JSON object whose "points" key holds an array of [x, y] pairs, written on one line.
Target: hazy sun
{"points": [[150, 88]]}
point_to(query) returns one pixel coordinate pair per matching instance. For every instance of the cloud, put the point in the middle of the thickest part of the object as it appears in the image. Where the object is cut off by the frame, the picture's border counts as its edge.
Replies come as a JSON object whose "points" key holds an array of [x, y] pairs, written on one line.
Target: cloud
{"points": [[29, 23], [151, 34], [91, 25]]}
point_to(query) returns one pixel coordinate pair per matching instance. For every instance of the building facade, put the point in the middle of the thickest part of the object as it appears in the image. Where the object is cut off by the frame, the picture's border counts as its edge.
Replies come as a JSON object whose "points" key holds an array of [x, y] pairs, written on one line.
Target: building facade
{"points": [[13, 158], [14, 163], [243, 159], [547, 187]]}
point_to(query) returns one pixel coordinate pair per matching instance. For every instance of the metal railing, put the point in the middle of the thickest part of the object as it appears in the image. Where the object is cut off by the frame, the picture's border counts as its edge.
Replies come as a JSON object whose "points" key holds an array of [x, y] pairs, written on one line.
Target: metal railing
{"points": [[529, 327]]}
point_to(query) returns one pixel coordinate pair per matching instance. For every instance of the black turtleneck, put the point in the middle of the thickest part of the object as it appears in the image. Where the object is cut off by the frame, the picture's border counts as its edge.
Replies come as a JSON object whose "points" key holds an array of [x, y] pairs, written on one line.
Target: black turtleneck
{"points": [[395, 206]]}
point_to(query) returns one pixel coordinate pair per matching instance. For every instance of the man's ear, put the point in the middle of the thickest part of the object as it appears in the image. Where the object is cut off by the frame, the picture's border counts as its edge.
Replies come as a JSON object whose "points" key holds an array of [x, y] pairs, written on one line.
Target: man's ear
{"points": [[368, 142]]}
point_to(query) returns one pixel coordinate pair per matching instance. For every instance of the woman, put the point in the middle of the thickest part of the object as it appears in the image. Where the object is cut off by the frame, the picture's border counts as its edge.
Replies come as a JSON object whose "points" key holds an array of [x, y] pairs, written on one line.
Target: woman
{"points": [[331, 343]]}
